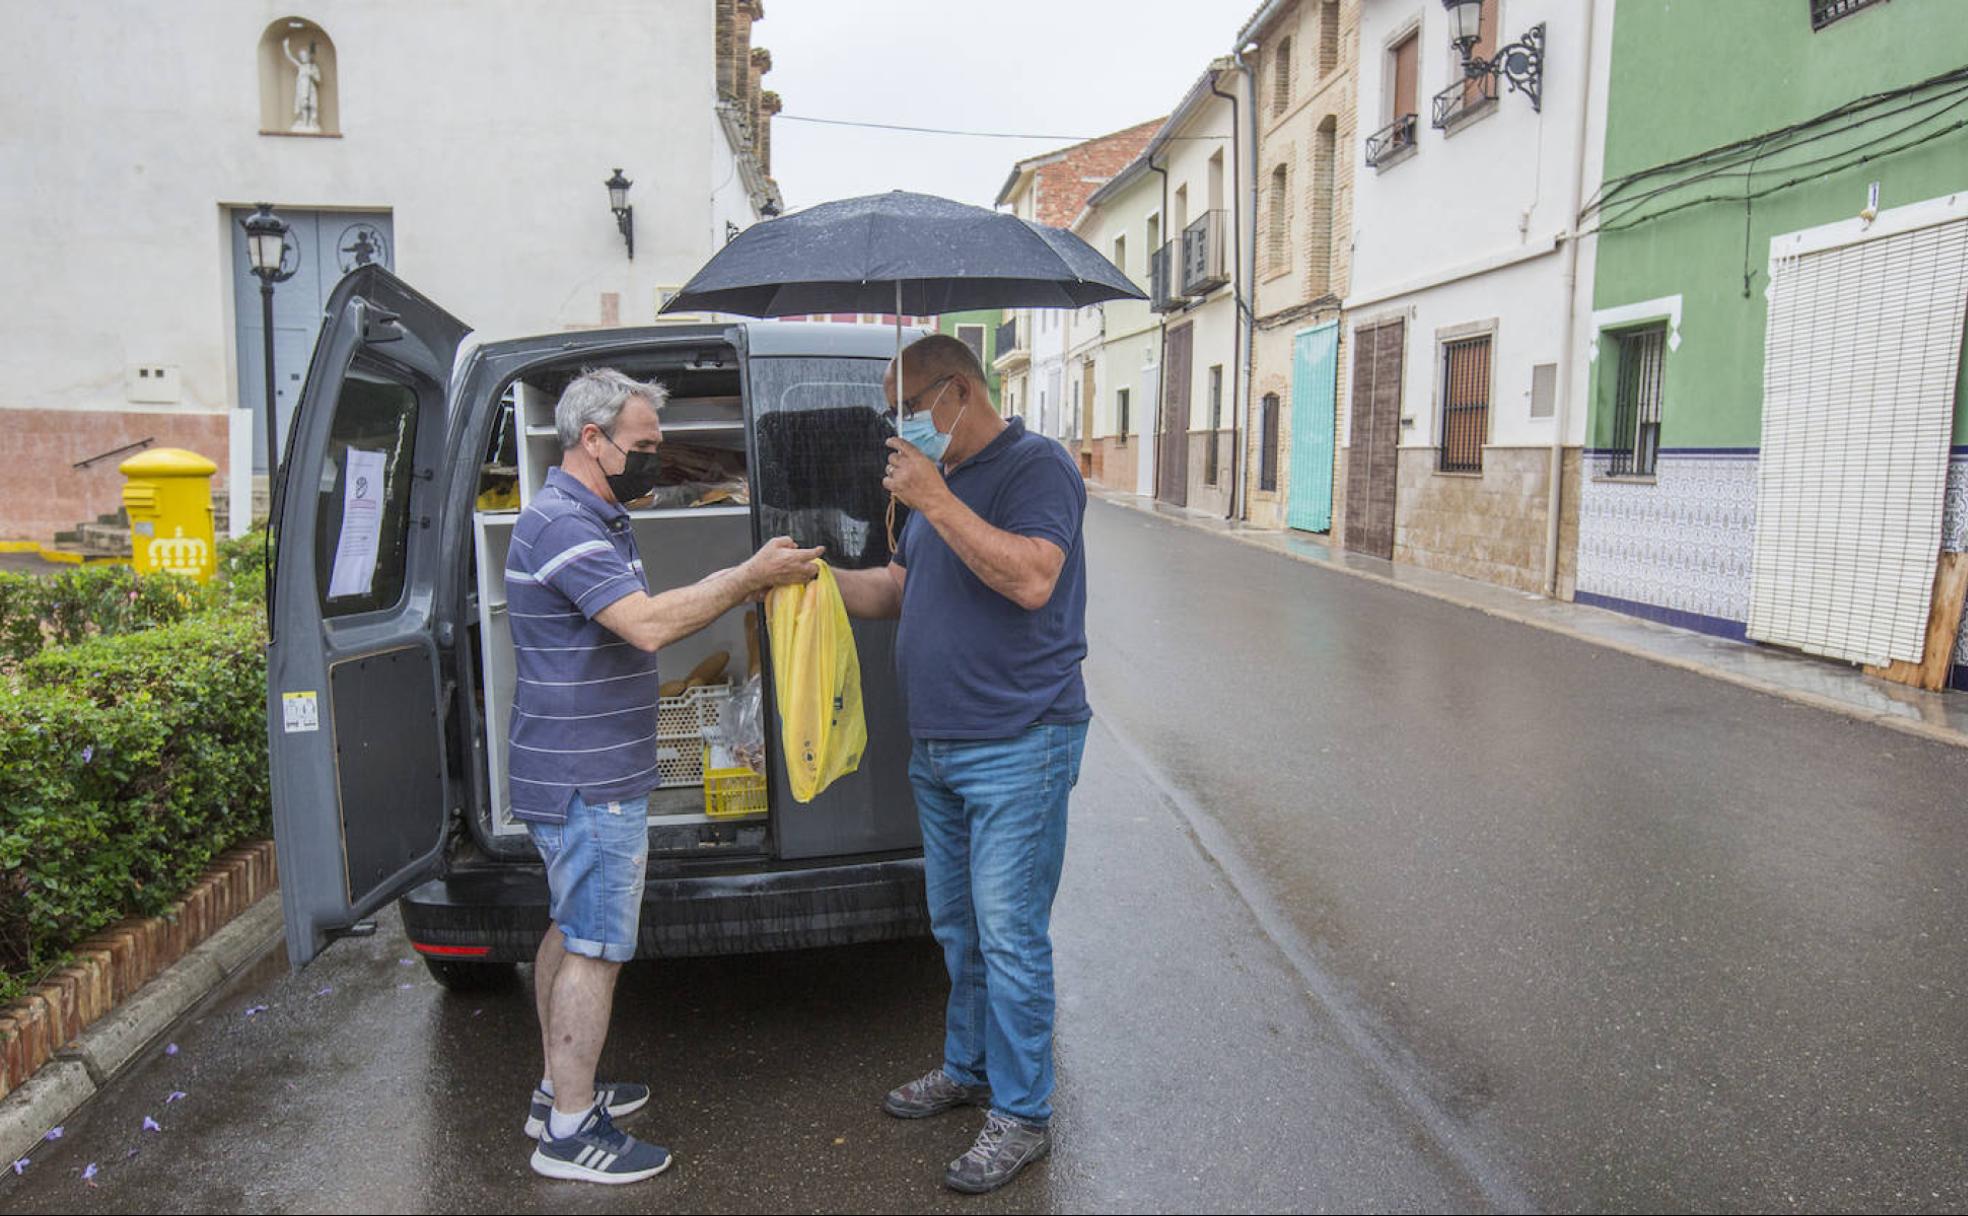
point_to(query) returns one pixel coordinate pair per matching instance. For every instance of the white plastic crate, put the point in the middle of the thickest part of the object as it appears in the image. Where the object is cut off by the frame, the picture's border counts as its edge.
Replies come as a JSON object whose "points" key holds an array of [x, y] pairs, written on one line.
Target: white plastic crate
{"points": [[680, 726]]}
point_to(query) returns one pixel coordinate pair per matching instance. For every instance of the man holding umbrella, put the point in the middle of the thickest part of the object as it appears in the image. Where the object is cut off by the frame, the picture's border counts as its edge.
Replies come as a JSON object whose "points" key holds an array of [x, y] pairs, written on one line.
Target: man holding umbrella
{"points": [[989, 580]]}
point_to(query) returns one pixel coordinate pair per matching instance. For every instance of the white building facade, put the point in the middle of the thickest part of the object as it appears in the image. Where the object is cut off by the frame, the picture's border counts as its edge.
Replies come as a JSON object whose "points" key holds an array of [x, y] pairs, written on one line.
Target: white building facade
{"points": [[1469, 302], [407, 135]]}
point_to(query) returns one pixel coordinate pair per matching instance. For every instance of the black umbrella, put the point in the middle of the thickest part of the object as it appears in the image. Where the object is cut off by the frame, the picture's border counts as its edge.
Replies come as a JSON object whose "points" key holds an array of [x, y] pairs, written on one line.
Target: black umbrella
{"points": [[901, 253], [912, 254]]}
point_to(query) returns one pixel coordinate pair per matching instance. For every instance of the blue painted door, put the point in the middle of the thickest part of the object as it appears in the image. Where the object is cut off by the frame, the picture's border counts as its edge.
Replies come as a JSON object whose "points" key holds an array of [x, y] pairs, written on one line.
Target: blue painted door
{"points": [[322, 246], [1315, 364]]}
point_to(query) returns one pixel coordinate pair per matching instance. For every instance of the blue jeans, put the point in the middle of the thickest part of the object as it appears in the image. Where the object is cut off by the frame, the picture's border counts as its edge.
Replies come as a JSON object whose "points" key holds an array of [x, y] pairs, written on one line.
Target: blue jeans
{"points": [[595, 866], [994, 838]]}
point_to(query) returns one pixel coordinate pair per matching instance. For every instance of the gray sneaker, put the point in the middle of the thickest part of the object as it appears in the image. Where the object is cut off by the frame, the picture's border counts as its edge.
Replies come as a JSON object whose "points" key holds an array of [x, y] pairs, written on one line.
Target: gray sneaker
{"points": [[1003, 1148], [932, 1094]]}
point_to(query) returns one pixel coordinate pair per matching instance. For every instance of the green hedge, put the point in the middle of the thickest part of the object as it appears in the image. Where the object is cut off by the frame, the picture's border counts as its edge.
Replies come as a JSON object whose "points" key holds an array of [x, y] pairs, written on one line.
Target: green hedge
{"points": [[128, 760]]}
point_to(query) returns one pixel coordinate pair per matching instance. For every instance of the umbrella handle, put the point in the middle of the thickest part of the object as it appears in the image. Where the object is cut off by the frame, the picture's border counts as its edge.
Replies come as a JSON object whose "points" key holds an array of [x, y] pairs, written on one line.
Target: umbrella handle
{"points": [[891, 527]]}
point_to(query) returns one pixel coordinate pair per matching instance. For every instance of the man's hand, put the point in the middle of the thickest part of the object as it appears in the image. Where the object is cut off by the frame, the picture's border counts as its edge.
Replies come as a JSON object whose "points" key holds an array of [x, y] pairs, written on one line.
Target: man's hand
{"points": [[915, 481], [781, 563]]}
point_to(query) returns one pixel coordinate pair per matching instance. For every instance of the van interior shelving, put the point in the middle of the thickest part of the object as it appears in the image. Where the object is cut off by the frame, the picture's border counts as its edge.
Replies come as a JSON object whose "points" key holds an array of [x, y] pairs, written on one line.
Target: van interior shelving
{"points": [[697, 522]]}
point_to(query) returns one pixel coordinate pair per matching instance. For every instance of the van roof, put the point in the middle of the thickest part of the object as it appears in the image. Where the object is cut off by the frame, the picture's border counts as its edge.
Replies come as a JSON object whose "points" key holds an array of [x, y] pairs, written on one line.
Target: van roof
{"points": [[815, 338]]}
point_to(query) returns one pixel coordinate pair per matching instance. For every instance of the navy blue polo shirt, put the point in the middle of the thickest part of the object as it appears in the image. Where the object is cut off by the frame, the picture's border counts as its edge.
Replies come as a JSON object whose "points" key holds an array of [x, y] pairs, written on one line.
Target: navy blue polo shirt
{"points": [[584, 700], [972, 664]]}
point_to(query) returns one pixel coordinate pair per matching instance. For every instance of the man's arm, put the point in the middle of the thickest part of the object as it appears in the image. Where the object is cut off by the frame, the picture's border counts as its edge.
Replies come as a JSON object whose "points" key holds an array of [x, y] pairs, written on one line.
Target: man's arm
{"points": [[650, 622], [1023, 569], [873, 595]]}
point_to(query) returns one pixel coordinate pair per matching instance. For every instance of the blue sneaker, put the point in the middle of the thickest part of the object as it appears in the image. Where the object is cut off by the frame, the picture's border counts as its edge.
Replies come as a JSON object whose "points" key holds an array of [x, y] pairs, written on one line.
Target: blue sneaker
{"points": [[599, 1153], [620, 1097]]}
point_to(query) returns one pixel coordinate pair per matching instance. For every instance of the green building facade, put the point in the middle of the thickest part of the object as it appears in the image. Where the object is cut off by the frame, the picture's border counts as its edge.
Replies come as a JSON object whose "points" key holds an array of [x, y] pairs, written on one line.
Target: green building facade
{"points": [[1828, 134], [980, 330]]}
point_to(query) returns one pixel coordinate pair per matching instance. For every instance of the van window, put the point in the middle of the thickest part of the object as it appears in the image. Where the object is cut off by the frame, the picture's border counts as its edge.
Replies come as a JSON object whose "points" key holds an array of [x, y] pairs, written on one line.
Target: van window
{"points": [[821, 429], [362, 524]]}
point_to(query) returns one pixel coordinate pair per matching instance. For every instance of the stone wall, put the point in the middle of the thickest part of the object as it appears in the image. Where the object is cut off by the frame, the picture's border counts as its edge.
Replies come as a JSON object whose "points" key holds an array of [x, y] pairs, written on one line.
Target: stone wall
{"points": [[1488, 525]]}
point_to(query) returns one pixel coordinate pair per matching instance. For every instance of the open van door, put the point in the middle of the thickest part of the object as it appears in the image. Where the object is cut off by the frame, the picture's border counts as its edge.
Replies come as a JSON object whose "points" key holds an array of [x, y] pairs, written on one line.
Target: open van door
{"points": [[355, 689]]}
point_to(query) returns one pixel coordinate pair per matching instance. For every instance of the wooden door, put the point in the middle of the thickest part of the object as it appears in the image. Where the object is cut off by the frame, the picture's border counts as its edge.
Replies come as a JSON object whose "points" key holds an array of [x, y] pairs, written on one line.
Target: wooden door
{"points": [[1175, 417], [1372, 460]]}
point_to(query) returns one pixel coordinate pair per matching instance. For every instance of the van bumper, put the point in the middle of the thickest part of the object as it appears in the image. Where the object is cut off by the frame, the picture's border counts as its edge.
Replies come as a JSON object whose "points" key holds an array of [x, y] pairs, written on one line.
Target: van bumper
{"points": [[498, 913]]}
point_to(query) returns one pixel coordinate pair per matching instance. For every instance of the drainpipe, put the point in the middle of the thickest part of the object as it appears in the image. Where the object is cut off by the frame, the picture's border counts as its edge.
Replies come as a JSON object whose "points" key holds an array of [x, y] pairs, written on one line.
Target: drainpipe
{"points": [[1554, 505], [1161, 357], [1250, 267], [1236, 296]]}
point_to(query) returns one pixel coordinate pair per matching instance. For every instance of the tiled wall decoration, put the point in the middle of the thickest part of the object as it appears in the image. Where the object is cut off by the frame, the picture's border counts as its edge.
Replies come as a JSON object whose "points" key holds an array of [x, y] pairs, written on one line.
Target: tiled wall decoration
{"points": [[1683, 542]]}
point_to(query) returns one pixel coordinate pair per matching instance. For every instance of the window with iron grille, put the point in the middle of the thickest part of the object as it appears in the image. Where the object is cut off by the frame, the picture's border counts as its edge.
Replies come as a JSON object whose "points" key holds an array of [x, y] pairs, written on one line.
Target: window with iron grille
{"points": [[1267, 455], [1637, 406], [1465, 404], [1121, 411], [1215, 424], [1824, 12]]}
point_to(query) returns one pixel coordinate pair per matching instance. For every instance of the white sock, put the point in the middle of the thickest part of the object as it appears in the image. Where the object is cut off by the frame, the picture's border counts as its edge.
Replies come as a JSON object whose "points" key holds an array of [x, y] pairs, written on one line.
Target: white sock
{"points": [[546, 1086], [560, 1126]]}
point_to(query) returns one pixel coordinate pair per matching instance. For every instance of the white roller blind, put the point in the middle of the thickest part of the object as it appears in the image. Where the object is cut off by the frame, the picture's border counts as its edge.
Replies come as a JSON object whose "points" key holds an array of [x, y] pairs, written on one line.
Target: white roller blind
{"points": [[1858, 408]]}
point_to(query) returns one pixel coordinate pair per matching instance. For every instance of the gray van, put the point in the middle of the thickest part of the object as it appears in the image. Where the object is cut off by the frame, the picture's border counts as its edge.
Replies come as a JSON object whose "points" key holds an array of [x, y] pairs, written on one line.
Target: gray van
{"points": [[390, 667]]}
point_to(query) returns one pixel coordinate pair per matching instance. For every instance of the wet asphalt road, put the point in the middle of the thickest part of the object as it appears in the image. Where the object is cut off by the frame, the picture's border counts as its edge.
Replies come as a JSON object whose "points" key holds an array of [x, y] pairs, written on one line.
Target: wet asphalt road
{"points": [[1371, 903]]}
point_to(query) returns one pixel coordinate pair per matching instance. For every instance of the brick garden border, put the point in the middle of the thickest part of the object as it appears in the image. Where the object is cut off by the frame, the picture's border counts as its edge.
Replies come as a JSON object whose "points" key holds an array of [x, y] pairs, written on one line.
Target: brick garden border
{"points": [[113, 965]]}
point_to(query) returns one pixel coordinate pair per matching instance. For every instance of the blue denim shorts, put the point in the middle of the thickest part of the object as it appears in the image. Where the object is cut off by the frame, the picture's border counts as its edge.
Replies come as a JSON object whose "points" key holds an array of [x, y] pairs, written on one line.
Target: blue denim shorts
{"points": [[595, 865]]}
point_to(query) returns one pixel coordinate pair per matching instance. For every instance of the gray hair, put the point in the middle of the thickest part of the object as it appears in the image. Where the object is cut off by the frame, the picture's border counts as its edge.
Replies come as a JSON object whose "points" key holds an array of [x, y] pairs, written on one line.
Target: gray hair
{"points": [[597, 395]]}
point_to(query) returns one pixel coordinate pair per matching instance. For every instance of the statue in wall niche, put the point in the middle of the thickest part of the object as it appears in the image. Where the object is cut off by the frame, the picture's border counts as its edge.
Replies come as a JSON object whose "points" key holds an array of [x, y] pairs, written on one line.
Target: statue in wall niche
{"points": [[307, 88]]}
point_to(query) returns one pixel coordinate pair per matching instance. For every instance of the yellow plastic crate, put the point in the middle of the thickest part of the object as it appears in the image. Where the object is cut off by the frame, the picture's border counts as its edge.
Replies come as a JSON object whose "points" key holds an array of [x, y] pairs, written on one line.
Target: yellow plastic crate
{"points": [[731, 793]]}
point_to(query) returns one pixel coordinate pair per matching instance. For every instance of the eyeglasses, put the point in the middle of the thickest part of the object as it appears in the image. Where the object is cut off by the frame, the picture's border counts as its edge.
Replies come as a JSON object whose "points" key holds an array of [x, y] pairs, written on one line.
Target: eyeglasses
{"points": [[911, 406]]}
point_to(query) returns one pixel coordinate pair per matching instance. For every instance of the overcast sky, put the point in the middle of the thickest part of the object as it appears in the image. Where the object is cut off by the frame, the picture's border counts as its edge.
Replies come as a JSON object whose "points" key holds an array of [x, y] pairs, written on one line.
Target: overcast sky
{"points": [[1073, 68]]}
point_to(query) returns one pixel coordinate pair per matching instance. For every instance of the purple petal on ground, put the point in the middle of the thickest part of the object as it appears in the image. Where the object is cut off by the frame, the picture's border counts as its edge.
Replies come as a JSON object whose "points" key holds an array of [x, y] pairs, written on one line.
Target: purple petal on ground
{"points": [[406, 962], [54, 1133], [175, 1095], [251, 1010], [20, 1166], [88, 753], [152, 1125], [326, 991], [171, 1049], [89, 1171], [476, 1012], [132, 1153], [401, 987]]}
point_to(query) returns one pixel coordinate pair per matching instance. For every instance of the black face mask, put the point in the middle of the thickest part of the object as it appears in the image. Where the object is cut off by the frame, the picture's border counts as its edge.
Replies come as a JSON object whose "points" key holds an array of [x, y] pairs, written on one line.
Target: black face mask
{"points": [[640, 471]]}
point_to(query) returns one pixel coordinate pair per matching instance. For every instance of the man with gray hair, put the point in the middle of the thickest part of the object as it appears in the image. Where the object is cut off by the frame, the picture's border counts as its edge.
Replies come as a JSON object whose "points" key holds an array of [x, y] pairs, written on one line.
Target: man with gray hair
{"points": [[582, 760]]}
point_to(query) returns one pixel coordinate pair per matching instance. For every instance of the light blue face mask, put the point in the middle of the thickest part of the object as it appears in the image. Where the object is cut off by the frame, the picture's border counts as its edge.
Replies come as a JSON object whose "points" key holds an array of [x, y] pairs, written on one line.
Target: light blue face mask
{"points": [[919, 430]]}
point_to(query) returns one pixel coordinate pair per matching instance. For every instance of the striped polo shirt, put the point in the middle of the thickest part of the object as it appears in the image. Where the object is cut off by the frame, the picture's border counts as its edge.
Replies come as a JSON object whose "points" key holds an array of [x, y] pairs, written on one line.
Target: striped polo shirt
{"points": [[584, 700]]}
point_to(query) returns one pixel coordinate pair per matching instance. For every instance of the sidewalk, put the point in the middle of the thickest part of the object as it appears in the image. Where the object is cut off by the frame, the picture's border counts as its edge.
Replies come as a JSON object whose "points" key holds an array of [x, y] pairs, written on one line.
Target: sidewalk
{"points": [[1822, 684]]}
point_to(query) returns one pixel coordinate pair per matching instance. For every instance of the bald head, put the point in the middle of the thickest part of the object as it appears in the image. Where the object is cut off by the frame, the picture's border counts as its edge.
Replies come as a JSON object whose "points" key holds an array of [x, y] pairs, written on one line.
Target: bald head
{"points": [[925, 359]]}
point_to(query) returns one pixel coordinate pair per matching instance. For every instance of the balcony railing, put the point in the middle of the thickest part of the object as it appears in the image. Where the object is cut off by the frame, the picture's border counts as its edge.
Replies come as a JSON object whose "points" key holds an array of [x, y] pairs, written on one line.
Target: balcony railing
{"points": [[1463, 98], [1390, 141], [1163, 295], [1007, 338], [1205, 260]]}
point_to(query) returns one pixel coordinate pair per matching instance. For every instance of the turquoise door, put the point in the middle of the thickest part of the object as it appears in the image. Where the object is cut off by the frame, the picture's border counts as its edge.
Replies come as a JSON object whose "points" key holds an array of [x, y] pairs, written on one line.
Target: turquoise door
{"points": [[1315, 363]]}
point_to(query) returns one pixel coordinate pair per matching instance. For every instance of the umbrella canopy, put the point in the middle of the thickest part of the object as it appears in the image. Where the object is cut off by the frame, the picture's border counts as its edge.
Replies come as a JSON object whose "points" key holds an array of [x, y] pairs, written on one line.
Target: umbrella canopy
{"points": [[901, 253]]}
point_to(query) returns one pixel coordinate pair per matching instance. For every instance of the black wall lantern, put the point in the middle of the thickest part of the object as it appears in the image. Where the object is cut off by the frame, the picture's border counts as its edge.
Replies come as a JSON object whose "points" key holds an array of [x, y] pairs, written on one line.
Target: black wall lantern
{"points": [[1521, 63], [618, 202]]}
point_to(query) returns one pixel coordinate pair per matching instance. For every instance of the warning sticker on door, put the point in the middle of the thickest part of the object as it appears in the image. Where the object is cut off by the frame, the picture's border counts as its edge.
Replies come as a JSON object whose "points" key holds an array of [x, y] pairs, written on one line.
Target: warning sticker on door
{"points": [[302, 711]]}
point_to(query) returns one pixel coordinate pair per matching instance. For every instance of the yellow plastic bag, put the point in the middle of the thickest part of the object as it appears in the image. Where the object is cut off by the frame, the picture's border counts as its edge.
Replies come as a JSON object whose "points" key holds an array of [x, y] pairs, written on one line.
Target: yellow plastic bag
{"points": [[816, 676]]}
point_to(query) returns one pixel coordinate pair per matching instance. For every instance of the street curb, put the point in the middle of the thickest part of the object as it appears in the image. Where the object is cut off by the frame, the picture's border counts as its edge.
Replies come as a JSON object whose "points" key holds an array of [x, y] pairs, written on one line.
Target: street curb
{"points": [[108, 1046], [1916, 727], [41, 1103]]}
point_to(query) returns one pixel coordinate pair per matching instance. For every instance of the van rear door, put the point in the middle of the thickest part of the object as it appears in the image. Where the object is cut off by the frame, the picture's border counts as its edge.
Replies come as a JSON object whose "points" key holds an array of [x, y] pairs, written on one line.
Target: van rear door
{"points": [[818, 432], [355, 691]]}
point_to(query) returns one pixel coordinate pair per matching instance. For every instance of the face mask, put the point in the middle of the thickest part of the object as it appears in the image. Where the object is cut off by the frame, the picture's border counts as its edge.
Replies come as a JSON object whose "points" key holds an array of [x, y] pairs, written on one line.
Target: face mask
{"points": [[919, 430], [639, 474]]}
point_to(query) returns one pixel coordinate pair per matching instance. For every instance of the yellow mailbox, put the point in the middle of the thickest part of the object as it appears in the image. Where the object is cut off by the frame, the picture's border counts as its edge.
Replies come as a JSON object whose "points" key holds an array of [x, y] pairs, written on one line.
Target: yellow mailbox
{"points": [[169, 497]]}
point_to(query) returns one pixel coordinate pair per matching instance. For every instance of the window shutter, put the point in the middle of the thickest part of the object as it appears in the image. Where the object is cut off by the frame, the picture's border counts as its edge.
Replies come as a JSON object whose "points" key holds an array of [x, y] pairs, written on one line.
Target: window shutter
{"points": [[1858, 409]]}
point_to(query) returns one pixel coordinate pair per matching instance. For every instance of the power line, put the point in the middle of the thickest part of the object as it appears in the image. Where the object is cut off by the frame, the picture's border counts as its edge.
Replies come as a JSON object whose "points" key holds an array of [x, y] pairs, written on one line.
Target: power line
{"points": [[890, 126]]}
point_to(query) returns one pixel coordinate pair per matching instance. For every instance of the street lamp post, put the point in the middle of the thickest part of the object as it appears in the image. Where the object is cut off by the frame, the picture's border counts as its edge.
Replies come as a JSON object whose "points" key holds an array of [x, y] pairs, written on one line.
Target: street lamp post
{"points": [[266, 248]]}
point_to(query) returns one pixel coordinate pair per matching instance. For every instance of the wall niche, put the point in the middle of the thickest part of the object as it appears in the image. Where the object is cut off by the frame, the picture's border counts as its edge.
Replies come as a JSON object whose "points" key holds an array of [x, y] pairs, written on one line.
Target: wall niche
{"points": [[299, 94]]}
